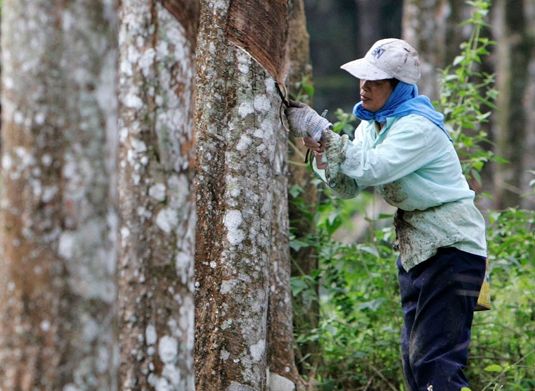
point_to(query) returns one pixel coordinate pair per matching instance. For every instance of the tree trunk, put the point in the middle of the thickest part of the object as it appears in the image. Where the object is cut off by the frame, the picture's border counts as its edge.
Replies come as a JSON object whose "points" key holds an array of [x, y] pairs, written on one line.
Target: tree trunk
{"points": [[368, 21], [432, 27], [304, 261], [283, 374], [281, 358], [529, 106], [58, 204], [236, 119], [376, 19], [510, 130], [156, 201], [425, 27]]}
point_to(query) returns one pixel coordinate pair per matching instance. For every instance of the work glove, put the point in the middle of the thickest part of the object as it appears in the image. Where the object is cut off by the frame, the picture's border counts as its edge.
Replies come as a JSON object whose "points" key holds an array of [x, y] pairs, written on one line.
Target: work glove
{"points": [[335, 146], [305, 121]]}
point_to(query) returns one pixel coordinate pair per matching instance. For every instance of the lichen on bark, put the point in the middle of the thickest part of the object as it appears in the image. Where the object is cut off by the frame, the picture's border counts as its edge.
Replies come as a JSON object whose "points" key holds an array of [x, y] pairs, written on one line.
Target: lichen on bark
{"points": [[156, 202], [58, 204], [237, 115]]}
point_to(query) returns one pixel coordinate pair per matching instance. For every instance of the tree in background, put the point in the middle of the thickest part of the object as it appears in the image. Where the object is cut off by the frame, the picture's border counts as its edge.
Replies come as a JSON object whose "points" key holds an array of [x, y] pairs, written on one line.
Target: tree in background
{"points": [[430, 27], [514, 124], [281, 319], [157, 205], [304, 259], [58, 204]]}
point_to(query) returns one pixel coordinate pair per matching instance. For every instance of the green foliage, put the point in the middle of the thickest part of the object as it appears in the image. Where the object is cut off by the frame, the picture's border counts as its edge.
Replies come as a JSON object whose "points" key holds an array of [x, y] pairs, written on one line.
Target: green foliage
{"points": [[503, 349], [305, 90], [467, 95], [345, 123], [358, 334]]}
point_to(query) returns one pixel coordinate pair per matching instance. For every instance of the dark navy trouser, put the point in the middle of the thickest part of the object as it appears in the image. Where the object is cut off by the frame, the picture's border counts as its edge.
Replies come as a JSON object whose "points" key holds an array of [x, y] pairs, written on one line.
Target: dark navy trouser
{"points": [[438, 298]]}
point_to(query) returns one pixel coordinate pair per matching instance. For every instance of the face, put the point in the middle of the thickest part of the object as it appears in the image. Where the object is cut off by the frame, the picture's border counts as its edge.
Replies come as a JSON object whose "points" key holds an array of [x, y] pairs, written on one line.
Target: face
{"points": [[374, 94]]}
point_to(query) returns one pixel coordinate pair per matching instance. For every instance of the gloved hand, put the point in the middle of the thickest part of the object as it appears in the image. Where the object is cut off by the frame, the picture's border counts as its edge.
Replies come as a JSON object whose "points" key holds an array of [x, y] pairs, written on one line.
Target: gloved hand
{"points": [[305, 121], [335, 146]]}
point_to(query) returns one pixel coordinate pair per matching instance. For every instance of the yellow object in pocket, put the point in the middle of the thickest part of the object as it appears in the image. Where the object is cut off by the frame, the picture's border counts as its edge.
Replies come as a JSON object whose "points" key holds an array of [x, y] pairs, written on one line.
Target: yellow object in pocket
{"points": [[483, 301]]}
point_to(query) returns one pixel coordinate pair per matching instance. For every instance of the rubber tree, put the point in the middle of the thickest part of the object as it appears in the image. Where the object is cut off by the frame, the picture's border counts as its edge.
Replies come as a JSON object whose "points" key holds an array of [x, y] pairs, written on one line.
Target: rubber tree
{"points": [[58, 203], [157, 205], [281, 321], [237, 124]]}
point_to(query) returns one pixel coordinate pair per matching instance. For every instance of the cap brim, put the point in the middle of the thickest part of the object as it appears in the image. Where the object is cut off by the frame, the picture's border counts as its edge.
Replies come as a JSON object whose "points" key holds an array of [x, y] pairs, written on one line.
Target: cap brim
{"points": [[364, 70]]}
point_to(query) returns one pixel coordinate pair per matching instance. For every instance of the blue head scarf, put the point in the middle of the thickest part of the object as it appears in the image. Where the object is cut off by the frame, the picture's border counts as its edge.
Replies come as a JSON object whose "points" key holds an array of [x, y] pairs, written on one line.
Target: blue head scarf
{"points": [[403, 100]]}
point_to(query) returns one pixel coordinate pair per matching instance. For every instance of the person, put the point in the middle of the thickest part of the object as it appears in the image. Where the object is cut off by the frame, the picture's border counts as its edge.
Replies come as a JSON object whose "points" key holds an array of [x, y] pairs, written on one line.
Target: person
{"points": [[403, 149]]}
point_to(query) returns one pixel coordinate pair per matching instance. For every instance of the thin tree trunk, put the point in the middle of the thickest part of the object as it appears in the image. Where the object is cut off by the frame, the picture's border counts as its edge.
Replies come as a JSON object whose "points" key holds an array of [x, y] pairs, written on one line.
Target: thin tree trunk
{"points": [[304, 261], [529, 106], [156, 200], [510, 126], [425, 26], [58, 204], [368, 23], [434, 29], [237, 115], [283, 375]]}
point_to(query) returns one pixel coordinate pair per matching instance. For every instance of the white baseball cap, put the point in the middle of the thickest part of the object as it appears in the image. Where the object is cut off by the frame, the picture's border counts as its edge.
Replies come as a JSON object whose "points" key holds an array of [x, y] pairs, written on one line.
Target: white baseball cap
{"points": [[389, 58]]}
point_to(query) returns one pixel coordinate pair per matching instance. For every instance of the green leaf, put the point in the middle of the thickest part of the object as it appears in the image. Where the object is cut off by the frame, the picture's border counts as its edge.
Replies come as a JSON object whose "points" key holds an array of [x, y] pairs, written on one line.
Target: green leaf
{"points": [[458, 60], [493, 368], [309, 89], [297, 244], [369, 250], [295, 191], [298, 285]]}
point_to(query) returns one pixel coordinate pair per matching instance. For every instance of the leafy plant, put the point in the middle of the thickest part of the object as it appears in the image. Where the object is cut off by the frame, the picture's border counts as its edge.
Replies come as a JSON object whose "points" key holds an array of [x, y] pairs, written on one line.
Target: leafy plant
{"points": [[468, 94]]}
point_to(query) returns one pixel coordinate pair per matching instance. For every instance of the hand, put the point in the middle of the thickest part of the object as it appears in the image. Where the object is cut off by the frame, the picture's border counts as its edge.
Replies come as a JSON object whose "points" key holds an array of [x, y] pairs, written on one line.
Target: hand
{"points": [[318, 150], [304, 121], [313, 145]]}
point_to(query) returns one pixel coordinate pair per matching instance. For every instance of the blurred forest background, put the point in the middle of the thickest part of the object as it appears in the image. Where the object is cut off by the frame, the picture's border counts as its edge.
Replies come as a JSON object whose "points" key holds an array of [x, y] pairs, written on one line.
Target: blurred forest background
{"points": [[356, 280], [343, 30]]}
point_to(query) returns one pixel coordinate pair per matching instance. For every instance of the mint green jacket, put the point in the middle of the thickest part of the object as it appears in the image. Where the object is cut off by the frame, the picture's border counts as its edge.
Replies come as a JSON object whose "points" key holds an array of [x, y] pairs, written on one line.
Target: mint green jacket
{"points": [[414, 165]]}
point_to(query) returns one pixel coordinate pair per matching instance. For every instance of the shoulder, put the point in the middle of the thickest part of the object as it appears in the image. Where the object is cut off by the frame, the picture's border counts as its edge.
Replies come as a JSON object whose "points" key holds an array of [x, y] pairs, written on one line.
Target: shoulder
{"points": [[362, 129], [418, 125], [416, 121]]}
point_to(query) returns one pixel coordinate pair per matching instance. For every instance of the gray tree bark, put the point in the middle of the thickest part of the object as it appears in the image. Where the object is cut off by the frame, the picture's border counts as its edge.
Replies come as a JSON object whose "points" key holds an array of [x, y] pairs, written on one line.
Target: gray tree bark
{"points": [[236, 120], [58, 204], [157, 205], [433, 28]]}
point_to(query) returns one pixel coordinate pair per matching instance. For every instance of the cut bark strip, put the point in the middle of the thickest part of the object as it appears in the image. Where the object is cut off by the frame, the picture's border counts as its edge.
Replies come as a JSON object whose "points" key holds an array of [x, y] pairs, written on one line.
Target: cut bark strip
{"points": [[260, 27], [187, 13]]}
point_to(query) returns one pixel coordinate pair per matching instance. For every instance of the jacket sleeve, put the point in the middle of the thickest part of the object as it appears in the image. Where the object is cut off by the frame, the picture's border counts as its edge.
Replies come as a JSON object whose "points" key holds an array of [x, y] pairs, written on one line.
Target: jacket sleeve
{"points": [[405, 149], [342, 185]]}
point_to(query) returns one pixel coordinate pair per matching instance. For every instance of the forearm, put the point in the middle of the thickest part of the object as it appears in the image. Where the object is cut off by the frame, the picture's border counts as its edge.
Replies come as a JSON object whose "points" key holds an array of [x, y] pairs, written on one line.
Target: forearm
{"points": [[344, 186]]}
